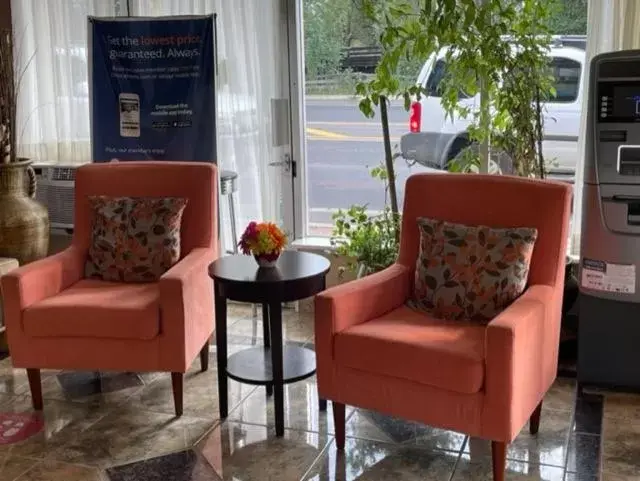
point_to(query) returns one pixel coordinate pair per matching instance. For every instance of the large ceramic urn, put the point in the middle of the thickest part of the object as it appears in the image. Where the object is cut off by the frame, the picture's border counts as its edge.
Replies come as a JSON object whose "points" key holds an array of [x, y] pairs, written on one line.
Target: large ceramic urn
{"points": [[24, 223]]}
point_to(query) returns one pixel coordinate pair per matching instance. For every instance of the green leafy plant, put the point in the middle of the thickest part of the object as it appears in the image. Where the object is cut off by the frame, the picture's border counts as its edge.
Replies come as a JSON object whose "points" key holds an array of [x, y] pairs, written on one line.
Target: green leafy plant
{"points": [[370, 241], [496, 49]]}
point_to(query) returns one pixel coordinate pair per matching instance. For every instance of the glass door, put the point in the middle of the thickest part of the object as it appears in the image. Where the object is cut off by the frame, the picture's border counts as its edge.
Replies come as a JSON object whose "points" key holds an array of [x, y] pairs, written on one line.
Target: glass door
{"points": [[253, 104]]}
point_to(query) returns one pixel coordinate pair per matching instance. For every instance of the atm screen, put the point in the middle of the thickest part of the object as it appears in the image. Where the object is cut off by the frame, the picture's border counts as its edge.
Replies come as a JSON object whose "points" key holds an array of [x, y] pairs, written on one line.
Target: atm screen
{"points": [[626, 101], [618, 101]]}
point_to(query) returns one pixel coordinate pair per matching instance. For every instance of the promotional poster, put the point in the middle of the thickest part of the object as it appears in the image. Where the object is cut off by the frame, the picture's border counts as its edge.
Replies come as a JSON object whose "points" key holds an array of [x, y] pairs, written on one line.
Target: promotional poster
{"points": [[152, 88]]}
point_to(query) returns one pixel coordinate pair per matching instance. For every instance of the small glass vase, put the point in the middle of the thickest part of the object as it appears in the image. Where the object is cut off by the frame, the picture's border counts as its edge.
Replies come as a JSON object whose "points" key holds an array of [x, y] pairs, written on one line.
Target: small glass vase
{"points": [[267, 261]]}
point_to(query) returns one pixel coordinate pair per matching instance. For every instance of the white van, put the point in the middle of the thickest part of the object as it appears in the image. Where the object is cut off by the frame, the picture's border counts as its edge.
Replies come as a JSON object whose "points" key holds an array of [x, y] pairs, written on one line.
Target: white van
{"points": [[434, 141]]}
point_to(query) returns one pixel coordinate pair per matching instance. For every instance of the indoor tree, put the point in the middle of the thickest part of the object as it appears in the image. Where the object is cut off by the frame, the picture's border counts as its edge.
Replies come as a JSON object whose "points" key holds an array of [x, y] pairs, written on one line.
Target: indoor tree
{"points": [[496, 49]]}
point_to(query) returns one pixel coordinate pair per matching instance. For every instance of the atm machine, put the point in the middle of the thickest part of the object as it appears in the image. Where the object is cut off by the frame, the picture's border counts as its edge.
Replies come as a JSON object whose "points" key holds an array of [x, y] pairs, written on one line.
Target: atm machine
{"points": [[609, 305]]}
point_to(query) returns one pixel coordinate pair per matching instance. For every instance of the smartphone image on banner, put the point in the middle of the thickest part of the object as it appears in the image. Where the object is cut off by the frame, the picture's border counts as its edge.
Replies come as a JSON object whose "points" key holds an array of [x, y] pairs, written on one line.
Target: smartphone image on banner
{"points": [[129, 115]]}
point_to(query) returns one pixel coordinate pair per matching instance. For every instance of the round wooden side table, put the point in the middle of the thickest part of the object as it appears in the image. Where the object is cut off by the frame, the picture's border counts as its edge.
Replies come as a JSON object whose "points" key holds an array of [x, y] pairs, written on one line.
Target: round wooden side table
{"points": [[297, 275]]}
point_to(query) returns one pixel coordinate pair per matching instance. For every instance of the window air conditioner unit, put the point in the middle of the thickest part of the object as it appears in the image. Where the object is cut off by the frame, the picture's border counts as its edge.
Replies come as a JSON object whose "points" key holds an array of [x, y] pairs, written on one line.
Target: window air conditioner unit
{"points": [[55, 190]]}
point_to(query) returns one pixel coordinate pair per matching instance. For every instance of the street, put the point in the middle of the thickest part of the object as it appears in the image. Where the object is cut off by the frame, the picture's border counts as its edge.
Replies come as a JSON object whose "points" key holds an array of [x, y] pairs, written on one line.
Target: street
{"points": [[342, 145]]}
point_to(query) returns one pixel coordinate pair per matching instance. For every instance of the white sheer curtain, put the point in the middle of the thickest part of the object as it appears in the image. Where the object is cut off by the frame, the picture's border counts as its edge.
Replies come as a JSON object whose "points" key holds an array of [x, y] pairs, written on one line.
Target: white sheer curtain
{"points": [[612, 25], [251, 36], [51, 49], [51, 55]]}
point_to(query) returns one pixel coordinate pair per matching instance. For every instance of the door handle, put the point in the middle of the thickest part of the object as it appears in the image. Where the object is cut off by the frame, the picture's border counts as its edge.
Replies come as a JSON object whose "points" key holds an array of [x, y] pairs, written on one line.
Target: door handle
{"points": [[551, 118]]}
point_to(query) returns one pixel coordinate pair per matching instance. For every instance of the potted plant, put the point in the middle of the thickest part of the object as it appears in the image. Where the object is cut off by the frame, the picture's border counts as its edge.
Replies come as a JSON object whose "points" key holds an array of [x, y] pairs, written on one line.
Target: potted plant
{"points": [[370, 241], [24, 223]]}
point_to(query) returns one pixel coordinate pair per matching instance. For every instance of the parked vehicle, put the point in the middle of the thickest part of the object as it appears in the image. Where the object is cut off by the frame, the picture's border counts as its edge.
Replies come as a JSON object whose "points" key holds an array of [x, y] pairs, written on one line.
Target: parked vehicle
{"points": [[434, 141]]}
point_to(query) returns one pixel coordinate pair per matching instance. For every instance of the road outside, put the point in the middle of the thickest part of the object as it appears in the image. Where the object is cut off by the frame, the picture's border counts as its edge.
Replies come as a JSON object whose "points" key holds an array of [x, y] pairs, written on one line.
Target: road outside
{"points": [[342, 146]]}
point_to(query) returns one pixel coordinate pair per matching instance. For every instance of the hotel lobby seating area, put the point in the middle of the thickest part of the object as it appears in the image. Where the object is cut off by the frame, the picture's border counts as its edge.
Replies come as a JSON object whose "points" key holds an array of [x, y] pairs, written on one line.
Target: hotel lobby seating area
{"points": [[108, 416], [199, 314]]}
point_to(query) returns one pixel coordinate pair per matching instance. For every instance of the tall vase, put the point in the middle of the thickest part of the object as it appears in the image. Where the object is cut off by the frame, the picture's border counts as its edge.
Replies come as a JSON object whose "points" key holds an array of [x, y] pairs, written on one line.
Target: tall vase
{"points": [[24, 223]]}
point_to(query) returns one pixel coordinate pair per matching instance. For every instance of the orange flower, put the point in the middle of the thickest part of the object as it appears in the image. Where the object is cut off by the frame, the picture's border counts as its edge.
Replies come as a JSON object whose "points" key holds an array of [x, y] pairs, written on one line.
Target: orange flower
{"points": [[264, 238]]}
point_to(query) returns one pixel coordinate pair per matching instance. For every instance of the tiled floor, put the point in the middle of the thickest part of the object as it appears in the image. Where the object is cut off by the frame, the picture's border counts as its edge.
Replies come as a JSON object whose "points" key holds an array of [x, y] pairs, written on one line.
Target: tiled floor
{"points": [[121, 427]]}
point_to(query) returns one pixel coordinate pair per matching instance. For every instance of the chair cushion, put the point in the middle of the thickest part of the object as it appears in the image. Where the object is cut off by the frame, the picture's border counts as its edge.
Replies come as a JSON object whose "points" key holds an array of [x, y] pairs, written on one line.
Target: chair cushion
{"points": [[97, 309], [134, 239], [415, 346], [470, 272]]}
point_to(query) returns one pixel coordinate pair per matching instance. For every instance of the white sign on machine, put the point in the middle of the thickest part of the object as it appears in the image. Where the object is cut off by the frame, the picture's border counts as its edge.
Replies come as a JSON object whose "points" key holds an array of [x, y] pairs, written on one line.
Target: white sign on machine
{"points": [[604, 276]]}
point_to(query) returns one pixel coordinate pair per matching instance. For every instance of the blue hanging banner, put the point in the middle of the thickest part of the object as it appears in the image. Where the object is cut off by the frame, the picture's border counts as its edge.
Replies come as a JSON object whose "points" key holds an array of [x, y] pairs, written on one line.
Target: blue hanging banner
{"points": [[152, 88]]}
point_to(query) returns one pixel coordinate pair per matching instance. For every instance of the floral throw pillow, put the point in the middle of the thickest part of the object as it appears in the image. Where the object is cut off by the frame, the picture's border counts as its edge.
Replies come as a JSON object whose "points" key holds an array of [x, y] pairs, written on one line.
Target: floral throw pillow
{"points": [[134, 239], [470, 272]]}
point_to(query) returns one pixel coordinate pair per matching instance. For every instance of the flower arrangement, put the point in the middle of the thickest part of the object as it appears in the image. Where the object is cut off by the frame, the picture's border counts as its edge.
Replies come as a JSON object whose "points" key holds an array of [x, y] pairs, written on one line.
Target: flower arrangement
{"points": [[265, 241]]}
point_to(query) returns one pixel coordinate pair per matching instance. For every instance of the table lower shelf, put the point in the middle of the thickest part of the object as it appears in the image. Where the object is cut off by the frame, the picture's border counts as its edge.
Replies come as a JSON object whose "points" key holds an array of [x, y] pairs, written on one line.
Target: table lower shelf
{"points": [[253, 365]]}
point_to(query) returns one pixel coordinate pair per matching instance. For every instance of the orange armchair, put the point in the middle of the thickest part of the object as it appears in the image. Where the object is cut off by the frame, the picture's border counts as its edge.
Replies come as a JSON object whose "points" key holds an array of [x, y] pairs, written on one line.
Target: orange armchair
{"points": [[483, 380], [56, 319]]}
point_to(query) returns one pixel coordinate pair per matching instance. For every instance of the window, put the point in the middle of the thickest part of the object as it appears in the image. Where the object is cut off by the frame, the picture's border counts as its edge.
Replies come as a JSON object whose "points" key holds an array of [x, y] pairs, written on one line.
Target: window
{"points": [[435, 78], [566, 75], [437, 75], [343, 145]]}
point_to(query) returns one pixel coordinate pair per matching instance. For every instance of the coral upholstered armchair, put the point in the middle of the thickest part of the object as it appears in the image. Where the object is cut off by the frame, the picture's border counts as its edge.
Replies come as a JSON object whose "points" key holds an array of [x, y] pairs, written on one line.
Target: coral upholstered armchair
{"points": [[483, 379], [57, 318]]}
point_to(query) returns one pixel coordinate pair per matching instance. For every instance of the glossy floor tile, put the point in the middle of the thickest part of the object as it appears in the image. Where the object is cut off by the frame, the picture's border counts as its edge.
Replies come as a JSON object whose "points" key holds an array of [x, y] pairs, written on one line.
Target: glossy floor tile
{"points": [[621, 446], [302, 409], [48, 470], [374, 461], [94, 387], [583, 457], [617, 477], [122, 427], [470, 469], [549, 446], [79, 384], [63, 423], [183, 465], [14, 381], [200, 394], [374, 426], [129, 434], [252, 453], [11, 467]]}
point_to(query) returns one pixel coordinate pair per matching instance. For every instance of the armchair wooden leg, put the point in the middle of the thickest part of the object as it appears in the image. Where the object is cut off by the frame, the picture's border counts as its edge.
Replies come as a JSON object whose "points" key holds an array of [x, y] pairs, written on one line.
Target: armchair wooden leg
{"points": [[177, 383], [534, 420], [204, 357], [499, 459], [36, 388], [339, 423]]}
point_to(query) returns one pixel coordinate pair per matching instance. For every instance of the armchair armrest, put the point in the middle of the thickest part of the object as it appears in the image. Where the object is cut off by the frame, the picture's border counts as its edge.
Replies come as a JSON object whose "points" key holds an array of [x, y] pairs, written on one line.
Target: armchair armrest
{"points": [[521, 360], [186, 306], [353, 303], [41, 279], [363, 299], [358, 301]]}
